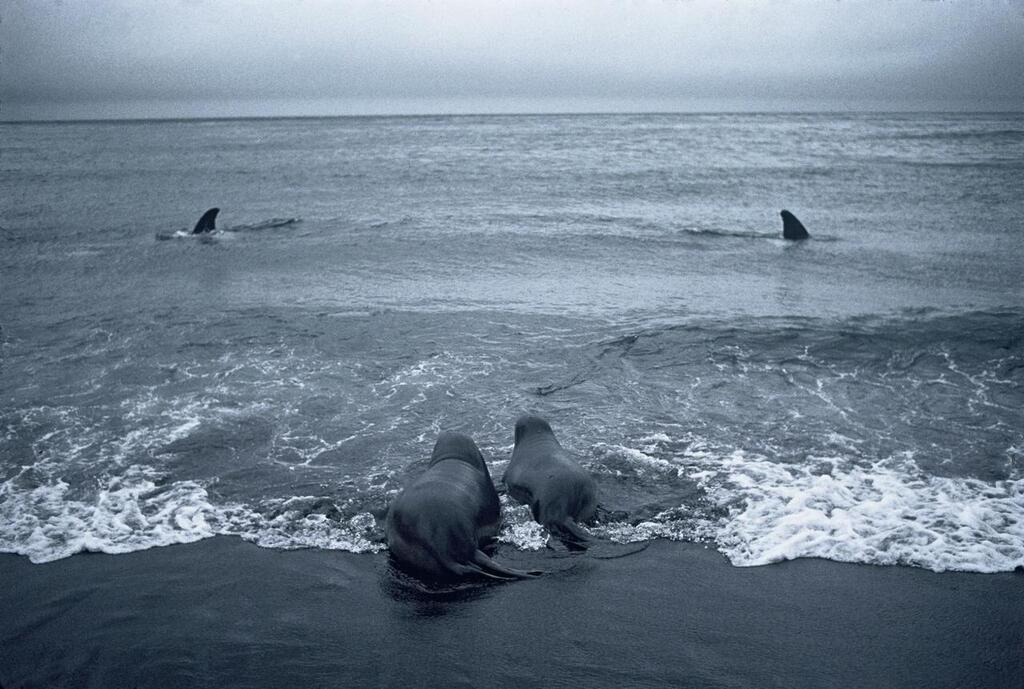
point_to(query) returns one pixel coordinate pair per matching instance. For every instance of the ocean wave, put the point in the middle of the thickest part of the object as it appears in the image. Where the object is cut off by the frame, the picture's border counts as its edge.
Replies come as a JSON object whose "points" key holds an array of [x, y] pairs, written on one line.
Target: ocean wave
{"points": [[132, 512], [887, 513], [959, 135], [137, 511], [881, 440], [757, 512]]}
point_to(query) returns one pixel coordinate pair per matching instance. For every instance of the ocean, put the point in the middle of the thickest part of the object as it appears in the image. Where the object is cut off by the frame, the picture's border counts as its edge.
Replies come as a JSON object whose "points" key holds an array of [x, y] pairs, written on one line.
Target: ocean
{"points": [[857, 397]]}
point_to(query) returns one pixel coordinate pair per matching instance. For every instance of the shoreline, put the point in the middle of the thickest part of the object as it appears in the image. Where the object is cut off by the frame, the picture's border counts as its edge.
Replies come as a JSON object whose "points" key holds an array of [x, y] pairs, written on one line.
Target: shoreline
{"points": [[225, 612]]}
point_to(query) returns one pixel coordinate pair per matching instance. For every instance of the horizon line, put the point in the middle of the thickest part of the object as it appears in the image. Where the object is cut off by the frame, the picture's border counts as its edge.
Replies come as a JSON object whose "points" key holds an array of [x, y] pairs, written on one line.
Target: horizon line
{"points": [[511, 113], [232, 108]]}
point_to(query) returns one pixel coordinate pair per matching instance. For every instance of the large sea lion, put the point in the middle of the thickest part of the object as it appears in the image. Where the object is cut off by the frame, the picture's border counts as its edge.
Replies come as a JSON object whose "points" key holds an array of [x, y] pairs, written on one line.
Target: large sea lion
{"points": [[438, 524], [544, 476]]}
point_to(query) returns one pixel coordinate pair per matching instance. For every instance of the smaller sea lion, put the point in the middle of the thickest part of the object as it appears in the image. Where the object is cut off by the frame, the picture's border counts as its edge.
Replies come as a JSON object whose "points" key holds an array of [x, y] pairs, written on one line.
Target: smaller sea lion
{"points": [[544, 476]]}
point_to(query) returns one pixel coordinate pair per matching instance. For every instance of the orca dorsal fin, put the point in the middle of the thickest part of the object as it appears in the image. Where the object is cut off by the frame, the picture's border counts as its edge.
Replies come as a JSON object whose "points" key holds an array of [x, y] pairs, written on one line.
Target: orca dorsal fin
{"points": [[792, 228], [207, 223]]}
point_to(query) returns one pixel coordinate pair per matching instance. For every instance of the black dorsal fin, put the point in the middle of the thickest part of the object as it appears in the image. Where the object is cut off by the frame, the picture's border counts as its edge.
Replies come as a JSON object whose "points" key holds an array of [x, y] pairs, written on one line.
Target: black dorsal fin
{"points": [[207, 223], [792, 228]]}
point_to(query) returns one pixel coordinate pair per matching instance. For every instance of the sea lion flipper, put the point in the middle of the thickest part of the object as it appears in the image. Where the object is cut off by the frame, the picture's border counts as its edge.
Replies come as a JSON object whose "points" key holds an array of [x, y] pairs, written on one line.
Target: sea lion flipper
{"points": [[571, 533], [471, 569], [494, 569]]}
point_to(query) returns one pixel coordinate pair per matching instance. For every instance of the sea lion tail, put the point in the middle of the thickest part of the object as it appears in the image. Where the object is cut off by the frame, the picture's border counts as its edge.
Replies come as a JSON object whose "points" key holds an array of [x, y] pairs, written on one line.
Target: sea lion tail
{"points": [[495, 570]]}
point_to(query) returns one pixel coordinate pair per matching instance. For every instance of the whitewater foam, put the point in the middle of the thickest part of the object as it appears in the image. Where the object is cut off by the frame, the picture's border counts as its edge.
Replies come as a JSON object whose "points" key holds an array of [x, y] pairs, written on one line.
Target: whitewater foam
{"points": [[132, 512], [887, 513], [136, 511], [518, 527]]}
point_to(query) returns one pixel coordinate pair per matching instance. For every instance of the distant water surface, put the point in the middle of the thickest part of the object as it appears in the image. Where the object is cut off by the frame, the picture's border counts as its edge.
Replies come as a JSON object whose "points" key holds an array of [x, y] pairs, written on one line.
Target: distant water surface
{"points": [[856, 397]]}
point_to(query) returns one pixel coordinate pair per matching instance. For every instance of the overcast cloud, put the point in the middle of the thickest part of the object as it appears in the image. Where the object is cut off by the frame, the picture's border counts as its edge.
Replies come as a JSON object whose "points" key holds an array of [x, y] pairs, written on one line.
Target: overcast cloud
{"points": [[173, 57]]}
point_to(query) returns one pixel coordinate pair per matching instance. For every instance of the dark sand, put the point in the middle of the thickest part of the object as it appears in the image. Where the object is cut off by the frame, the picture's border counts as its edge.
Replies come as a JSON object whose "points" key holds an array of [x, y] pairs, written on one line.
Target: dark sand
{"points": [[224, 613]]}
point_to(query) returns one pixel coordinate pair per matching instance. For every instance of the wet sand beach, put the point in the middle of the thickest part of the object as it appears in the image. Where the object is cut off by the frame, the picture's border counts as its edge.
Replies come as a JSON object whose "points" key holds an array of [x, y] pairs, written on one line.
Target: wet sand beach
{"points": [[225, 613]]}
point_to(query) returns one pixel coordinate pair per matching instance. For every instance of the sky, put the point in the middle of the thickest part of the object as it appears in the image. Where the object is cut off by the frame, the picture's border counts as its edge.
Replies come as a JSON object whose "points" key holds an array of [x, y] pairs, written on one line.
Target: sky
{"points": [[70, 59]]}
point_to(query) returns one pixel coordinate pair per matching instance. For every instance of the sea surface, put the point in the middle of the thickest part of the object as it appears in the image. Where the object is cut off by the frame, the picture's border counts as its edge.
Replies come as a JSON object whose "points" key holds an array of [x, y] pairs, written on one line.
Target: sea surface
{"points": [[857, 397]]}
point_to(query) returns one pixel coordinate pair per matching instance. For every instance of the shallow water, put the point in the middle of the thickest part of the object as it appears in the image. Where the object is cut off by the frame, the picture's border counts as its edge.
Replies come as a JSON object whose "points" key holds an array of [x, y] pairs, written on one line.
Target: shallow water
{"points": [[856, 397]]}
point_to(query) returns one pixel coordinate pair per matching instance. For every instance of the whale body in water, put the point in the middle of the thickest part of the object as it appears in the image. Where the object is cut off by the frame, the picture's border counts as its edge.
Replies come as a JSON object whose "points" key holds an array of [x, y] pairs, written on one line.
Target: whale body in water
{"points": [[792, 228], [206, 227]]}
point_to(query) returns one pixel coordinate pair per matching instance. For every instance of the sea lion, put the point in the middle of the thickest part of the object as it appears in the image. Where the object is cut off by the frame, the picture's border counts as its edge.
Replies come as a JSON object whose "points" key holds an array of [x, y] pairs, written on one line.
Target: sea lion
{"points": [[792, 228], [437, 525], [544, 476]]}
